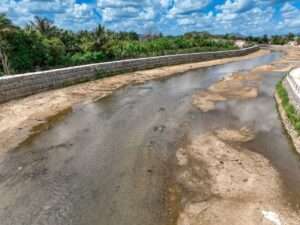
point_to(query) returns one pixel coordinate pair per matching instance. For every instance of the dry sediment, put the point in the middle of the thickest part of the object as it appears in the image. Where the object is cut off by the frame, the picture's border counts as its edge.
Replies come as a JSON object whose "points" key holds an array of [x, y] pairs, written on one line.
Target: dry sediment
{"points": [[235, 87], [224, 183]]}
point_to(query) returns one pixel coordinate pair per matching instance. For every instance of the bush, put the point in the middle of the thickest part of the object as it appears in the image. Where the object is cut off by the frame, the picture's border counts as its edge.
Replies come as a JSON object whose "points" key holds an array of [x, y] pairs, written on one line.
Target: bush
{"points": [[118, 49], [88, 57], [55, 51]]}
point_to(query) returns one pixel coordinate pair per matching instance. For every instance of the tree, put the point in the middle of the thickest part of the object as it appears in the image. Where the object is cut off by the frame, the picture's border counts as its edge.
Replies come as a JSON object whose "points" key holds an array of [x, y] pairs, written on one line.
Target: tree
{"points": [[278, 40], [100, 37], [265, 39], [86, 41], [43, 25], [42, 45], [129, 36], [27, 52], [6, 29], [56, 51], [70, 41], [291, 36]]}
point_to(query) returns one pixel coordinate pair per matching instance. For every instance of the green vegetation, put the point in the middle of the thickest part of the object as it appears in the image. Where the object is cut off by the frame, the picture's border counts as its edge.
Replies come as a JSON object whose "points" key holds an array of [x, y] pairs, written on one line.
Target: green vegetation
{"points": [[6, 29], [41, 45], [289, 109], [265, 39]]}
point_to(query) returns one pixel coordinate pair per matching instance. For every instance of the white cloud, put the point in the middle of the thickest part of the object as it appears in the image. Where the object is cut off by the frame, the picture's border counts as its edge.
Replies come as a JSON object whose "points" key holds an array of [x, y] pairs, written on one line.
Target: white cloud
{"points": [[77, 16], [168, 16], [237, 6], [65, 13], [46, 6], [138, 15], [185, 6], [246, 16], [166, 3], [290, 17]]}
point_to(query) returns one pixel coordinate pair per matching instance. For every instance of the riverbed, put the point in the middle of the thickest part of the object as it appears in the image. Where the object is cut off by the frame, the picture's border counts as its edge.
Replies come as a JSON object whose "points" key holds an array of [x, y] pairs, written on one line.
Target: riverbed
{"points": [[112, 162]]}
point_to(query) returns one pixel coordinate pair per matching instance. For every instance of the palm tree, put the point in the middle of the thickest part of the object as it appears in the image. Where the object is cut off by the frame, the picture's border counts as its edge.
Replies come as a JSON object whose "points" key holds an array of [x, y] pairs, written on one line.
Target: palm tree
{"points": [[6, 28], [5, 24], [43, 25], [100, 36]]}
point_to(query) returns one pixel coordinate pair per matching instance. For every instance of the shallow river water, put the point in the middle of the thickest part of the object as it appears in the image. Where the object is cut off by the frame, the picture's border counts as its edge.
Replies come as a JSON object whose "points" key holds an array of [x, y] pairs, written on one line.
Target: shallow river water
{"points": [[110, 162]]}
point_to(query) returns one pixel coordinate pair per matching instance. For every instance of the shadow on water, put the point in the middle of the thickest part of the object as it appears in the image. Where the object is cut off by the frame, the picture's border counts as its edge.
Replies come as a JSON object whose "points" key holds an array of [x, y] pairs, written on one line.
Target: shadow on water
{"points": [[109, 162]]}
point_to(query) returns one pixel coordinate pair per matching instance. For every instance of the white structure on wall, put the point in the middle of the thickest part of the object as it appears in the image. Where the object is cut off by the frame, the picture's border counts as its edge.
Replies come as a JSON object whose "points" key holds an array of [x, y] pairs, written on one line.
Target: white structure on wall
{"points": [[293, 79], [240, 43], [293, 43]]}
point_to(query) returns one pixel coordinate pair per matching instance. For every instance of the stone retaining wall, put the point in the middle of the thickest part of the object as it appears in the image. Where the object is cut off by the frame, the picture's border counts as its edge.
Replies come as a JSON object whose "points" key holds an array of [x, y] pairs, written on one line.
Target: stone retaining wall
{"points": [[17, 86]]}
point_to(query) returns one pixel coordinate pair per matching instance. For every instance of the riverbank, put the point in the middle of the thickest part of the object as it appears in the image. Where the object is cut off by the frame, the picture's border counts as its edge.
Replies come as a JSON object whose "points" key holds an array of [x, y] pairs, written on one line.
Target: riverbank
{"points": [[289, 127], [292, 59], [23, 118]]}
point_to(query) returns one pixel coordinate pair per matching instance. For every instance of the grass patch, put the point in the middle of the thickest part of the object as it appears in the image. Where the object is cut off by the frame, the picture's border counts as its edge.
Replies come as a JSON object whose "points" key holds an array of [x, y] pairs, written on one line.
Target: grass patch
{"points": [[289, 108]]}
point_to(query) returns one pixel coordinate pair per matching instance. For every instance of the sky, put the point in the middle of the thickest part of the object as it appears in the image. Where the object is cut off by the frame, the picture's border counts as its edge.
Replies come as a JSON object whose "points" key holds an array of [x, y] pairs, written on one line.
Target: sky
{"points": [[247, 17]]}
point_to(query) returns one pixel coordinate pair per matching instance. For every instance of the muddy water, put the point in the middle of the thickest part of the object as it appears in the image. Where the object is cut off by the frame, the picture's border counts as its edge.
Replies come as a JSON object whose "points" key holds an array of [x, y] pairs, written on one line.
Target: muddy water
{"points": [[110, 163]]}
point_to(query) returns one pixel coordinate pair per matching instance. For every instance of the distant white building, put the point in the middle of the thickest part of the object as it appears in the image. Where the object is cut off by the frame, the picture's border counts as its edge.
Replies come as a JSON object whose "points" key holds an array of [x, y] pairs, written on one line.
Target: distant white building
{"points": [[240, 43], [293, 43]]}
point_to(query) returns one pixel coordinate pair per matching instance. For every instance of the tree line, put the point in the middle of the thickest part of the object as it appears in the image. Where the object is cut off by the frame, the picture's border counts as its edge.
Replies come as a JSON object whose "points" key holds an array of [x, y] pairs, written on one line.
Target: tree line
{"points": [[41, 45], [265, 39]]}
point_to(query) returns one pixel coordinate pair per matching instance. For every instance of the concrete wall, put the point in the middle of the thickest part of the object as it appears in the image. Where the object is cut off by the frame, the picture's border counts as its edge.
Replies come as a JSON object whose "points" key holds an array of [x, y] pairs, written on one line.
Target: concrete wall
{"points": [[17, 86], [293, 80]]}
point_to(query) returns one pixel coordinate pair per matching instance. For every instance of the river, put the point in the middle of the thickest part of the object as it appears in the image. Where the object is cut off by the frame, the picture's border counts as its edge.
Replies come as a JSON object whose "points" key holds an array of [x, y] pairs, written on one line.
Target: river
{"points": [[111, 162]]}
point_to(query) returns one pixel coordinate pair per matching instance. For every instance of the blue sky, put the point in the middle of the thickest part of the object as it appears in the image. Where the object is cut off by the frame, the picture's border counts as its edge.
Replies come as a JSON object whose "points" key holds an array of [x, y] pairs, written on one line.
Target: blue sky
{"points": [[255, 17]]}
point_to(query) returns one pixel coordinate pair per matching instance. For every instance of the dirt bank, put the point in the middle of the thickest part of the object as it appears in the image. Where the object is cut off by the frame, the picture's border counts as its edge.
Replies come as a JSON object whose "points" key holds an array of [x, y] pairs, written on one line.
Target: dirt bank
{"points": [[292, 59], [285, 120], [22, 118], [224, 183], [289, 60]]}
